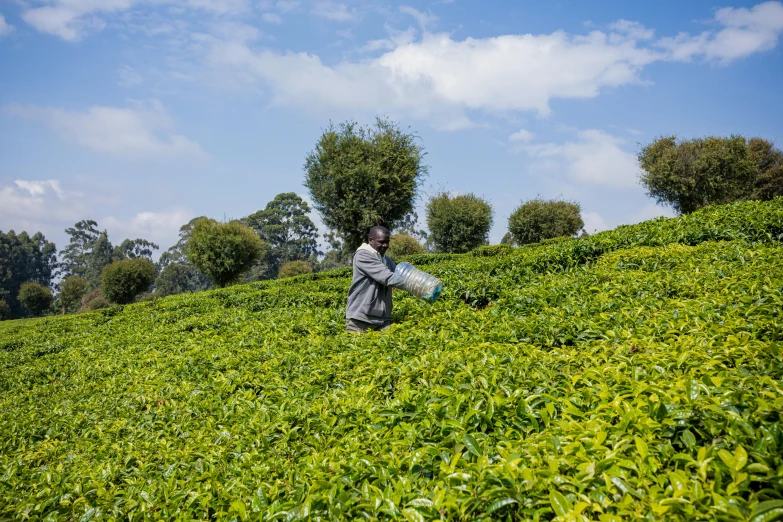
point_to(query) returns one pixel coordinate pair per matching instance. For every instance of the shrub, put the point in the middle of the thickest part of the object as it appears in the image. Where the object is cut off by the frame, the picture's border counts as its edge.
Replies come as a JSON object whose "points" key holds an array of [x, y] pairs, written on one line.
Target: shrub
{"points": [[94, 300], [123, 280], [294, 268], [458, 224], [5, 310], [35, 298], [223, 251], [403, 245], [72, 290], [537, 220]]}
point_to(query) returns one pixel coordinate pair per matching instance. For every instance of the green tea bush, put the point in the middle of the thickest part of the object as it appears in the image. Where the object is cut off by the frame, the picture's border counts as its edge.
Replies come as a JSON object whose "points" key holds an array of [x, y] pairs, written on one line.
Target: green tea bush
{"points": [[633, 374]]}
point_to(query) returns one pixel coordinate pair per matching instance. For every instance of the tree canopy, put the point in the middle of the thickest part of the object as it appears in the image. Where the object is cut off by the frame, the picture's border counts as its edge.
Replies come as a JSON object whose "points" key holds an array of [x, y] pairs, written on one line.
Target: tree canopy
{"points": [[176, 273], [35, 298], [123, 280], [24, 258], [223, 250], [359, 177], [286, 227], [538, 220], [690, 174], [402, 244], [458, 224]]}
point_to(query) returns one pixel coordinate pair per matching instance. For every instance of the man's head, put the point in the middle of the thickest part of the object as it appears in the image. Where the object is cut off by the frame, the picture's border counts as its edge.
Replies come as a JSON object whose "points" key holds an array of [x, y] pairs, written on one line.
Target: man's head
{"points": [[378, 238]]}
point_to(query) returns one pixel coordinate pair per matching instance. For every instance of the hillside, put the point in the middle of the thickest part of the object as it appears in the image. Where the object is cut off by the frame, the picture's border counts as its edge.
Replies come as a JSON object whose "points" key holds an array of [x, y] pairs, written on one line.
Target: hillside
{"points": [[633, 373]]}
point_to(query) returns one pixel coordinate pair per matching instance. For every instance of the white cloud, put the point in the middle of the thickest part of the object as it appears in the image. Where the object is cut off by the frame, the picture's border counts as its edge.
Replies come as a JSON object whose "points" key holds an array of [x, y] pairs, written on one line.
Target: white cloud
{"points": [[272, 18], [333, 11], [745, 32], [594, 222], [423, 19], [129, 77], [632, 30], [595, 158], [441, 79], [521, 136], [69, 19], [287, 6], [161, 228], [220, 6], [38, 206], [138, 131], [5, 27]]}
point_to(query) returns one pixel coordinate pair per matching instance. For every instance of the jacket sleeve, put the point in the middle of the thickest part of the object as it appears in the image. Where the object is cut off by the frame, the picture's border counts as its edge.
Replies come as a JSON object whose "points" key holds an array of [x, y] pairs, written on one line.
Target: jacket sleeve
{"points": [[375, 269]]}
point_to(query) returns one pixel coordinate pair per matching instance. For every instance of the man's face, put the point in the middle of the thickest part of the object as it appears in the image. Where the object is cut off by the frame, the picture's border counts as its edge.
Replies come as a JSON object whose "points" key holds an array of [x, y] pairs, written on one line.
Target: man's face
{"points": [[380, 242]]}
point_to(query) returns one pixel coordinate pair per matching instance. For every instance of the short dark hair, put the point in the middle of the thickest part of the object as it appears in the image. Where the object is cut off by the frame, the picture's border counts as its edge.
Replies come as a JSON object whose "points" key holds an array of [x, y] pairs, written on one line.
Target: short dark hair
{"points": [[374, 231]]}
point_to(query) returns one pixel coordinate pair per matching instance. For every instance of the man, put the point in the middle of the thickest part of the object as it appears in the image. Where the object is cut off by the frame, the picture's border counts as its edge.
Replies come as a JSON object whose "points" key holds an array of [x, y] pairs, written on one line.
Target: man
{"points": [[370, 294]]}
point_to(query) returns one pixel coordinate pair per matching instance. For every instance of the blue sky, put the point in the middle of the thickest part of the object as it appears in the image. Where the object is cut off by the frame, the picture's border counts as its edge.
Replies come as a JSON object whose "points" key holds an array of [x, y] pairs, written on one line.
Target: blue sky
{"points": [[141, 114]]}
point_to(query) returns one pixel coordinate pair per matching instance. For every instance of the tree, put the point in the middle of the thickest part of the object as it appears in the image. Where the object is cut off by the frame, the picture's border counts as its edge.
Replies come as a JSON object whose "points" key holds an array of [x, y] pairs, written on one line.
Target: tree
{"points": [[76, 255], [285, 226], [5, 310], [359, 177], [35, 298], [72, 289], [537, 220], [458, 224], [134, 249], [122, 281], [101, 256], [294, 268], [94, 300], [24, 258], [402, 244], [507, 239], [224, 250], [177, 278], [690, 174]]}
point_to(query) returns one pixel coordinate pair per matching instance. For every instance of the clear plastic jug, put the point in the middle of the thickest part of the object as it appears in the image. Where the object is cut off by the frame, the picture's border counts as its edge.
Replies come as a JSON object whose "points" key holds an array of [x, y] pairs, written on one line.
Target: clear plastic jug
{"points": [[421, 284]]}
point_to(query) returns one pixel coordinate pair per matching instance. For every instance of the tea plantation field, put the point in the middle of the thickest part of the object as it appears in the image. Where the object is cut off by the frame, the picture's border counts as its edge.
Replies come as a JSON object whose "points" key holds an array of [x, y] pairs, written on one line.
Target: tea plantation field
{"points": [[632, 374]]}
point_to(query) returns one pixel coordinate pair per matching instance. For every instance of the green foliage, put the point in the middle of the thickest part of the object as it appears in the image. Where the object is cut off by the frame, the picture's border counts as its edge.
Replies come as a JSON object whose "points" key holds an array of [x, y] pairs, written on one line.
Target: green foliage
{"points": [[122, 281], [24, 258], [691, 174], [5, 310], [458, 224], [537, 220], [294, 268], [176, 278], [630, 375], [507, 239], [359, 177], [223, 250], [94, 300], [334, 259], [35, 298], [285, 226], [403, 245], [72, 289], [134, 249]]}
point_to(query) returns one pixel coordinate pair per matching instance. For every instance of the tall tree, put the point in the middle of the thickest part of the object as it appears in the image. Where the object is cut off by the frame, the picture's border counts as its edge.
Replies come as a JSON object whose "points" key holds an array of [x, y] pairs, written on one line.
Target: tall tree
{"points": [[458, 224], [690, 174], [359, 177], [22, 259], [286, 227], [176, 273], [134, 249], [75, 257], [536, 220]]}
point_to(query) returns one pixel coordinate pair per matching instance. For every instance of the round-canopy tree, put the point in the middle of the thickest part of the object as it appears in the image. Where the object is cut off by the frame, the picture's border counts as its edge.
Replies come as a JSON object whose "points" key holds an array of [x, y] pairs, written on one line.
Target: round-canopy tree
{"points": [[294, 268], [458, 224], [690, 174], [72, 289], [537, 220], [35, 298], [122, 281], [360, 177], [223, 251], [402, 244]]}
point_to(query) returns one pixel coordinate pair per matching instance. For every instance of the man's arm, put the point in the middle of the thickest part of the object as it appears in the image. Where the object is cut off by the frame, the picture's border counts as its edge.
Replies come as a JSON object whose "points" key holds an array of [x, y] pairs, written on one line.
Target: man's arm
{"points": [[376, 269]]}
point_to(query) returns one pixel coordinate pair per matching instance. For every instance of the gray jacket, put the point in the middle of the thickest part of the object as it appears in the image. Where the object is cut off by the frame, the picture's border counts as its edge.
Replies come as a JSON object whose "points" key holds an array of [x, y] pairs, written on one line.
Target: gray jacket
{"points": [[370, 294]]}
